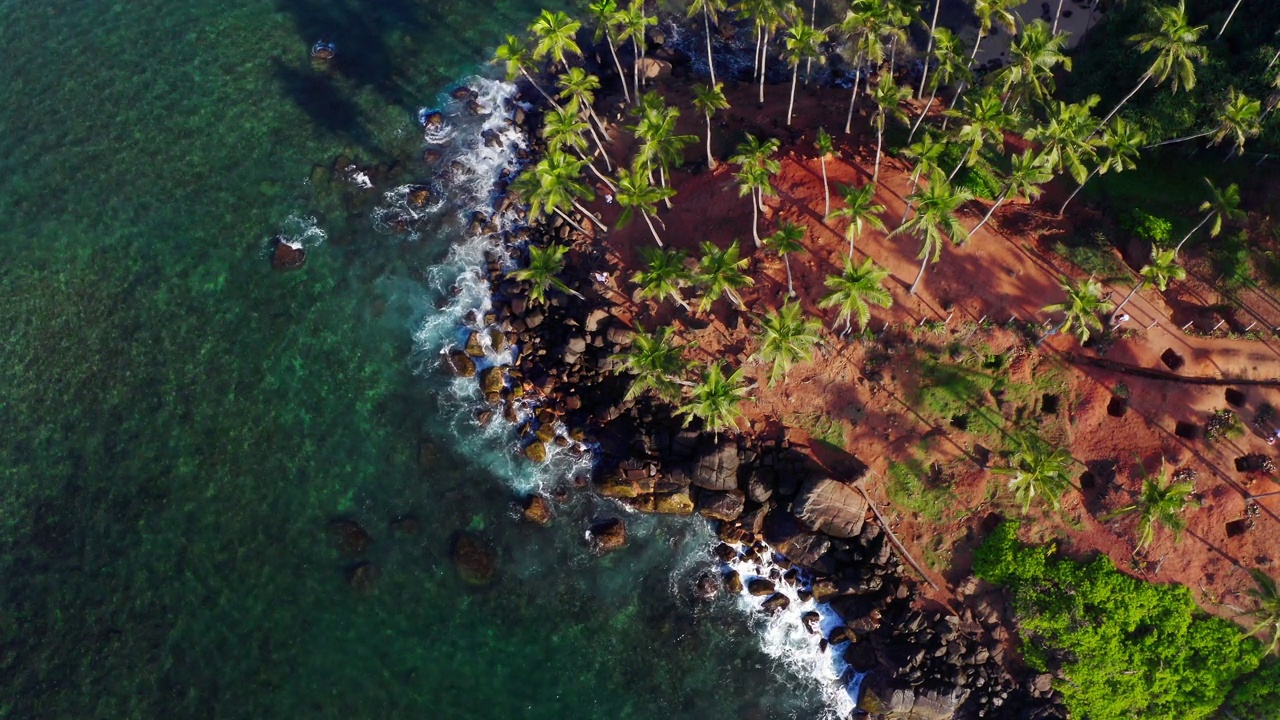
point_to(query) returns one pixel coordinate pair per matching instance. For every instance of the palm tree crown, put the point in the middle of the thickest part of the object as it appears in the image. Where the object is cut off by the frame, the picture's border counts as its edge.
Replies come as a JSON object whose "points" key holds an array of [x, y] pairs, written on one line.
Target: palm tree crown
{"points": [[720, 273], [1081, 308], [556, 36], [1067, 136], [1034, 54], [1161, 502], [1035, 470], [664, 275], [1175, 42], [709, 99], [1240, 119], [545, 264], [855, 290], [715, 400], [787, 337], [936, 207], [785, 241], [656, 363], [1268, 611], [860, 210]]}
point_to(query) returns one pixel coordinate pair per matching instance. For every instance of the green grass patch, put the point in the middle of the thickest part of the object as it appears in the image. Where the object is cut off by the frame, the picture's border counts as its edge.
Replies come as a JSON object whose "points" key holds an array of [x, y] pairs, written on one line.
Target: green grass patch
{"points": [[820, 426], [909, 487]]}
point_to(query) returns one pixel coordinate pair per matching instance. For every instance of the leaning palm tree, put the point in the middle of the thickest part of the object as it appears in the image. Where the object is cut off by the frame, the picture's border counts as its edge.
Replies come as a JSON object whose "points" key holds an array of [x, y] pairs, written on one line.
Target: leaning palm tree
{"points": [[985, 120], [554, 184], [935, 219], [707, 99], [785, 241], [1227, 22], [1034, 54], [513, 53], [1175, 42], [709, 9], [1222, 207], [637, 196], [933, 30], [715, 400], [1268, 610], [1121, 144], [1161, 502], [803, 43], [860, 210], [664, 274], [991, 13], [950, 67], [606, 14], [855, 290], [1240, 119], [786, 337], [545, 264], [1080, 310], [633, 23], [1026, 174], [862, 28], [754, 181], [565, 130], [656, 362], [1066, 137], [823, 144], [579, 88], [1035, 470], [720, 273], [925, 153], [1162, 270], [555, 36], [888, 97], [656, 130]]}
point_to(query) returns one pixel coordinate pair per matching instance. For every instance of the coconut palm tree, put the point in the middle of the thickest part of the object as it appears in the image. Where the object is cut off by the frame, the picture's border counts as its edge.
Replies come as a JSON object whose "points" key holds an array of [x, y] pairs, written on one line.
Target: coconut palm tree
{"points": [[553, 184], [657, 132], [513, 53], [1161, 502], [564, 129], [1240, 119], [1121, 144], [1175, 43], [720, 273], [991, 13], [707, 99], [1035, 470], [756, 152], [935, 219], [855, 290], [1027, 173], [1268, 610], [1080, 310], [754, 181], [637, 196], [633, 23], [1162, 270], [951, 66], [784, 241], [786, 337], [1227, 22], [709, 9], [555, 36], [578, 87], [888, 98], [1034, 54], [545, 264], [607, 16], [1067, 136], [823, 144], [933, 30], [1222, 207], [664, 275], [715, 400], [803, 43], [925, 154], [863, 26], [985, 121], [860, 210], [657, 364]]}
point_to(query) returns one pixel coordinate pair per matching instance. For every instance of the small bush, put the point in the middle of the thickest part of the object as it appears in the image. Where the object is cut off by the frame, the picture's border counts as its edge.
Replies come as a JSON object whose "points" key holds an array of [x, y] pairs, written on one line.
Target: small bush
{"points": [[1145, 226], [1223, 424], [1231, 259]]}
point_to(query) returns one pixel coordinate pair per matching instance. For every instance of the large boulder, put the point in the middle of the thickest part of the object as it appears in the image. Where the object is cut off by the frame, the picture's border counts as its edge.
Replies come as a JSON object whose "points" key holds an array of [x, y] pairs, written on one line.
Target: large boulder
{"points": [[717, 468], [919, 705], [787, 536], [831, 507], [674, 503], [652, 68], [723, 506], [607, 535]]}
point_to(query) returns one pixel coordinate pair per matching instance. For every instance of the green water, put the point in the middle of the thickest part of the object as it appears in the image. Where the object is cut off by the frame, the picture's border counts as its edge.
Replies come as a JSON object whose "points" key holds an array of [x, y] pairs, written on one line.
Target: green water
{"points": [[179, 423]]}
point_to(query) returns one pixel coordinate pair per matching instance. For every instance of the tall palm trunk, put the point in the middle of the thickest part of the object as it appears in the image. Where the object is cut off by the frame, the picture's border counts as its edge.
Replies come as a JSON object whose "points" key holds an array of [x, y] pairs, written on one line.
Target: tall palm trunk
{"points": [[932, 96], [1075, 192], [662, 178], [923, 263], [1116, 313], [826, 189], [569, 220], [795, 73], [538, 87], [711, 161], [1141, 81], [999, 201], [755, 219], [755, 59], [857, 78], [711, 65], [622, 75], [961, 164], [599, 143], [764, 58], [589, 216], [1056, 17], [635, 68], [1175, 141], [813, 23], [791, 290], [933, 26], [875, 176], [1193, 231], [649, 222], [915, 183], [1228, 20], [957, 98]]}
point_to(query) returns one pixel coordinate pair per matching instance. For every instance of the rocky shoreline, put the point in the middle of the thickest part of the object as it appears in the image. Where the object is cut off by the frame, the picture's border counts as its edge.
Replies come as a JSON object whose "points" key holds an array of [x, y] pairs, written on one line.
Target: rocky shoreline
{"points": [[765, 498]]}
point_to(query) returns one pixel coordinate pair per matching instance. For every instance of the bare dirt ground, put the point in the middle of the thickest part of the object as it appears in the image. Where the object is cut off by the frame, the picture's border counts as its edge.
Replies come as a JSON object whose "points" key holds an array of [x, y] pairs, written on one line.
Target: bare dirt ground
{"points": [[838, 408]]}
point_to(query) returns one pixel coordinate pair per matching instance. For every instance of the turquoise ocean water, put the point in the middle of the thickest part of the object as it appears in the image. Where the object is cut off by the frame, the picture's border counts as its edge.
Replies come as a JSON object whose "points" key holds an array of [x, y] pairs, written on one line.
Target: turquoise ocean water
{"points": [[179, 424]]}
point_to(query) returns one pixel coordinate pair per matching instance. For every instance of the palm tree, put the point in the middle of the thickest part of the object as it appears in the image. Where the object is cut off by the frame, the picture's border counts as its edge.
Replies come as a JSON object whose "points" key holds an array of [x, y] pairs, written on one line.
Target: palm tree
{"points": [[784, 241], [754, 181], [889, 98], [1162, 269], [636, 195], [860, 209], [564, 129], [578, 87], [787, 337], [935, 219], [720, 273], [1268, 610], [1066, 137], [544, 265], [985, 122], [863, 26], [1037, 471], [1080, 310], [1122, 142], [633, 23], [770, 15], [990, 14], [925, 154], [1223, 206], [607, 15], [822, 143], [855, 290], [707, 100], [803, 42], [715, 400], [656, 362], [1034, 54], [554, 184], [1027, 173], [555, 36], [1175, 42], [951, 65], [1227, 22], [1161, 502], [664, 275], [709, 9], [513, 53], [933, 29], [656, 130], [1240, 119], [756, 152]]}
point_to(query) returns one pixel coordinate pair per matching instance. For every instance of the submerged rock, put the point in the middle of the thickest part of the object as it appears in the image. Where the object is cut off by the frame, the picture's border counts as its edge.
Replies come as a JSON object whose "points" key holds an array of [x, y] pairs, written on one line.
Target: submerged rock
{"points": [[473, 560], [535, 509], [536, 451], [350, 536], [285, 256], [460, 364], [706, 587], [362, 577], [608, 535]]}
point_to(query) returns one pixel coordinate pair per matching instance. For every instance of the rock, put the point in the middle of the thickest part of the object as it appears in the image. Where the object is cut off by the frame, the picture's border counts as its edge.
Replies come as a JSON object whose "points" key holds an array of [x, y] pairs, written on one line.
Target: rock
{"points": [[841, 634], [407, 525], [725, 553], [493, 379], [473, 347], [705, 588], [777, 602], [419, 195], [607, 535], [788, 537], [473, 559], [350, 537], [460, 364], [497, 340], [824, 590], [831, 507], [722, 506], [760, 586], [534, 318], [286, 256], [760, 484], [1042, 685], [576, 345], [676, 503], [432, 120], [362, 577], [717, 469], [462, 92], [619, 335], [733, 583], [594, 320], [811, 620], [536, 451], [535, 509]]}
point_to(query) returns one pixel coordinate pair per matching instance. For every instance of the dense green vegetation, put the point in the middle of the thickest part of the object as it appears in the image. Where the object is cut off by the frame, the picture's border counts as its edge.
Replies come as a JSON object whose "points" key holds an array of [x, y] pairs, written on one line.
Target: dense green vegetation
{"points": [[1123, 648]]}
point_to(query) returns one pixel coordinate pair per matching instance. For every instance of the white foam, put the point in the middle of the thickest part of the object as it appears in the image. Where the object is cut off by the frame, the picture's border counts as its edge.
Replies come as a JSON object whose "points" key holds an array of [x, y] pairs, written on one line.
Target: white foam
{"points": [[301, 232]]}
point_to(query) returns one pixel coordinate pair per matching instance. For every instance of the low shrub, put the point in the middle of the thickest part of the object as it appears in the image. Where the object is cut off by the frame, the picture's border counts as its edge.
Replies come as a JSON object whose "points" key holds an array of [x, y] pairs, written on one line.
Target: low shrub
{"points": [[1153, 229]]}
